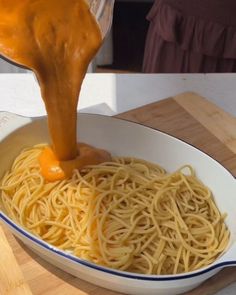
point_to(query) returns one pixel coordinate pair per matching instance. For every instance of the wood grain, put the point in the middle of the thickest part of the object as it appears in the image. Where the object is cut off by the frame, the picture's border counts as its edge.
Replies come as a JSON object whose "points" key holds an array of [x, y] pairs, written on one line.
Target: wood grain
{"points": [[218, 122], [12, 281], [188, 117]]}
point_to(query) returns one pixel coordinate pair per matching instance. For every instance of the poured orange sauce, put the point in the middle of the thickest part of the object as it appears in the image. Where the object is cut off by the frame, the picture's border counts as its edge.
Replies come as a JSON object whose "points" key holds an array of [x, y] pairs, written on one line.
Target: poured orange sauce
{"points": [[56, 39], [52, 169]]}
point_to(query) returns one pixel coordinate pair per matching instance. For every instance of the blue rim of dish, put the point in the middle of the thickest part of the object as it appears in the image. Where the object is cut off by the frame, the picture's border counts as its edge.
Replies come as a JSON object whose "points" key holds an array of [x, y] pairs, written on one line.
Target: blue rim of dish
{"points": [[106, 270], [110, 271]]}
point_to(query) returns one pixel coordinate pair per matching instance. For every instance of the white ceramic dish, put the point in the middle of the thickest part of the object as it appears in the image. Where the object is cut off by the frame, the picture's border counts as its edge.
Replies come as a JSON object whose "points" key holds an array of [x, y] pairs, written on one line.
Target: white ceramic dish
{"points": [[127, 139]]}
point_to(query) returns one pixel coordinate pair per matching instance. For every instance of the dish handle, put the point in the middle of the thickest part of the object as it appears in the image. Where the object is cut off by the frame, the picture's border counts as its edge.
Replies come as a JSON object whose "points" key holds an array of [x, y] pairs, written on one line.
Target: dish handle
{"points": [[10, 122]]}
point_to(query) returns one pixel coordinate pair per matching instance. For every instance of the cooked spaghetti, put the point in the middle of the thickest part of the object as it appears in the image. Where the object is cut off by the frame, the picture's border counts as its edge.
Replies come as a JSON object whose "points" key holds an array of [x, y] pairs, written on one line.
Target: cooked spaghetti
{"points": [[127, 214]]}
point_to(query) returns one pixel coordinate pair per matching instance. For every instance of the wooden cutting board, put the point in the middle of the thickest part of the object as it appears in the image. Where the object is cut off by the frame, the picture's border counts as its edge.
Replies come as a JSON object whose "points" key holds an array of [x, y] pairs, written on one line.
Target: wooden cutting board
{"points": [[186, 116]]}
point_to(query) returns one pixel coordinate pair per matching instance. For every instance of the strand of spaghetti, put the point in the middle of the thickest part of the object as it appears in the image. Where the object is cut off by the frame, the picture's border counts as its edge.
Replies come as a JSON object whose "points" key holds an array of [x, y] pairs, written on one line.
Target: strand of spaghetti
{"points": [[210, 228], [196, 251], [176, 265]]}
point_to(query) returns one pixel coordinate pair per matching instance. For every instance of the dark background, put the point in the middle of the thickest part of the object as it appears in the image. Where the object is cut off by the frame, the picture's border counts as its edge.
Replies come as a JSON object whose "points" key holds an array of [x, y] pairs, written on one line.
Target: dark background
{"points": [[129, 33]]}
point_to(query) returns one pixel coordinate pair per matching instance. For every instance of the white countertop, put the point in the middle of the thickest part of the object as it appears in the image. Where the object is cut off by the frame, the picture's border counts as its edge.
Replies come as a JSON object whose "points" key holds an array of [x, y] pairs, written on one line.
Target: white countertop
{"points": [[115, 93], [111, 94]]}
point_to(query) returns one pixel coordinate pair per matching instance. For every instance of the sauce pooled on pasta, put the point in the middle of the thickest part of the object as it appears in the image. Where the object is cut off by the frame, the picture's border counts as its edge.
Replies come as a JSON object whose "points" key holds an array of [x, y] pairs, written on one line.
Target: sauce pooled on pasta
{"points": [[57, 40]]}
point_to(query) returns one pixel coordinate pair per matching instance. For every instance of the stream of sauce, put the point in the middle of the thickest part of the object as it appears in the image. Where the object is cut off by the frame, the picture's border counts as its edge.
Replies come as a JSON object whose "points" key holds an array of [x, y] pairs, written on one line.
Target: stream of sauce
{"points": [[56, 39]]}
